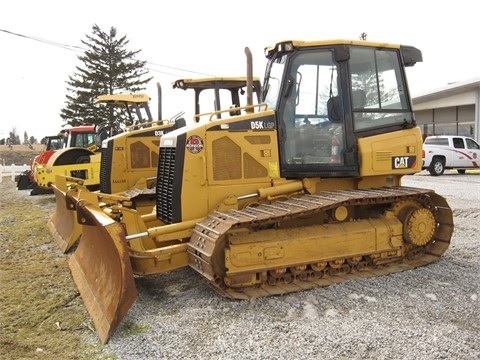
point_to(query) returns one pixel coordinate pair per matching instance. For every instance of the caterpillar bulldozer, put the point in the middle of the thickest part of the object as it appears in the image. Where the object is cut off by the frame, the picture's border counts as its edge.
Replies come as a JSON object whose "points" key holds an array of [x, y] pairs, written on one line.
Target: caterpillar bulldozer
{"points": [[128, 166], [81, 156], [300, 191]]}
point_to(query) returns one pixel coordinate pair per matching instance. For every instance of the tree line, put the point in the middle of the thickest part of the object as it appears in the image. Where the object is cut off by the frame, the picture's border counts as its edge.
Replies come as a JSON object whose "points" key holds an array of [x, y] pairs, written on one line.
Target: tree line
{"points": [[14, 139]]}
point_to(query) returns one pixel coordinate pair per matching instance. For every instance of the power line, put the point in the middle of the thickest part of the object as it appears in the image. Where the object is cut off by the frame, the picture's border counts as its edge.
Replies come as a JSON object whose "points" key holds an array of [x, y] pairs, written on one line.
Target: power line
{"points": [[80, 49], [48, 42], [175, 68]]}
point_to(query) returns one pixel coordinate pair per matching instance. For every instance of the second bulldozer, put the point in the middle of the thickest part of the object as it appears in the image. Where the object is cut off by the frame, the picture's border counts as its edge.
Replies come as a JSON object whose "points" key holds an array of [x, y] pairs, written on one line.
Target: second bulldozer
{"points": [[130, 166]]}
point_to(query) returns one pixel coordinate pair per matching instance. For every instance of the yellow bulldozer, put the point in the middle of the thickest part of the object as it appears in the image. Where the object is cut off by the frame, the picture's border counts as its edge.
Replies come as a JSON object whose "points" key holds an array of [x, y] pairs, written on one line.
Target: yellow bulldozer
{"points": [[300, 191], [129, 160], [80, 157]]}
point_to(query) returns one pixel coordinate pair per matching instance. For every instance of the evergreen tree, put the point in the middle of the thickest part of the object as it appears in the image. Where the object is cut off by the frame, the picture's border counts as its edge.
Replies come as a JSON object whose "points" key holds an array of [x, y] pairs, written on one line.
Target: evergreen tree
{"points": [[109, 68]]}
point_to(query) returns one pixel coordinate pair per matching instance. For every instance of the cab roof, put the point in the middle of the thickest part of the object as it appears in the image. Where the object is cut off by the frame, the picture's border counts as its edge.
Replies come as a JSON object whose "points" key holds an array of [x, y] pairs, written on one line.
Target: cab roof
{"points": [[121, 99]]}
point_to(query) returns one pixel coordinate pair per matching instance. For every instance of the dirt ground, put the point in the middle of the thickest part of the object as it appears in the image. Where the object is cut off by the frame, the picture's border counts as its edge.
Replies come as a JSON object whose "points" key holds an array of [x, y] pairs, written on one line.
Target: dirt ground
{"points": [[41, 313], [431, 313]]}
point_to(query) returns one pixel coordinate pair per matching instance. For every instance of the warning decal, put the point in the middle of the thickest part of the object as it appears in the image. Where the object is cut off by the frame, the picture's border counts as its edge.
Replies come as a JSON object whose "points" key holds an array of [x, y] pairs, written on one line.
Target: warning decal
{"points": [[194, 144]]}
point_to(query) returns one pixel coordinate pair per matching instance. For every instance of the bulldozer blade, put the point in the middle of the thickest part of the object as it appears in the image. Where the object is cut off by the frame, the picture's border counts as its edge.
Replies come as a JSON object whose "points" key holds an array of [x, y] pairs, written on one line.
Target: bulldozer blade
{"points": [[63, 225], [101, 269]]}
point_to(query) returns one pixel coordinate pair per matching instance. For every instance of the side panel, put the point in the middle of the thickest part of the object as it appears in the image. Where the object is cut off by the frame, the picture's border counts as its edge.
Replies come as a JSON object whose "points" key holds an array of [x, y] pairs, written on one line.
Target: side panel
{"points": [[128, 158], [210, 166], [395, 153], [242, 157], [142, 161], [72, 162]]}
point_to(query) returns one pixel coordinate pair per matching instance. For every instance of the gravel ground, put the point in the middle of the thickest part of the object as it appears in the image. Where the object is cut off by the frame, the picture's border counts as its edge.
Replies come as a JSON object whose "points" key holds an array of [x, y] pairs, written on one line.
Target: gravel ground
{"points": [[428, 313]]}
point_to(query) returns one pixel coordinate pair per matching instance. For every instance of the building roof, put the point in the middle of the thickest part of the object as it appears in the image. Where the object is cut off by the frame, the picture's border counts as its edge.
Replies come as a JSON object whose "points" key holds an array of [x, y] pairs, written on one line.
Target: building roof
{"points": [[447, 91]]}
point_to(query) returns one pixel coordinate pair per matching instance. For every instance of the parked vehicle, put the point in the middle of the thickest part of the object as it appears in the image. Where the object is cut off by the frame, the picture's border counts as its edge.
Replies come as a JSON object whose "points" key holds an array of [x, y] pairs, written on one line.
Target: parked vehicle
{"points": [[450, 152], [38, 177]]}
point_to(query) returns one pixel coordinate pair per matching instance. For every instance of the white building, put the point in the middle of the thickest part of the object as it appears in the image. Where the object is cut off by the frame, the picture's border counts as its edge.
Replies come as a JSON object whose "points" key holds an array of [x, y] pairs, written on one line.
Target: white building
{"points": [[451, 110]]}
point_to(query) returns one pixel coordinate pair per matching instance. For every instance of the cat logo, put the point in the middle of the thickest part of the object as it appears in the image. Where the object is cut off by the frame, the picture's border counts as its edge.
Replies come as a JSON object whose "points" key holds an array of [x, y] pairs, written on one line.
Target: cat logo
{"points": [[404, 162]]}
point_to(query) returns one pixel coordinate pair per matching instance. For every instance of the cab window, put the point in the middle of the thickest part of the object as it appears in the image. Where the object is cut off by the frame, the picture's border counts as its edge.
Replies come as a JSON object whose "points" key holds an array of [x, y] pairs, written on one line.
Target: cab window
{"points": [[377, 88], [314, 135]]}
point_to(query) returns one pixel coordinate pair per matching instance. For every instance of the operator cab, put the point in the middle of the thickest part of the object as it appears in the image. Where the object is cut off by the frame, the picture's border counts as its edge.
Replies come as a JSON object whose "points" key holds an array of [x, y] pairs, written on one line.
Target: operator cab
{"points": [[326, 96]]}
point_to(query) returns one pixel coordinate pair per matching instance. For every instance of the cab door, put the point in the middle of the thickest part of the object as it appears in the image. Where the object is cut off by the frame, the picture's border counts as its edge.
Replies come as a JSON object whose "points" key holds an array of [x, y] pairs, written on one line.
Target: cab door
{"points": [[466, 153], [473, 152]]}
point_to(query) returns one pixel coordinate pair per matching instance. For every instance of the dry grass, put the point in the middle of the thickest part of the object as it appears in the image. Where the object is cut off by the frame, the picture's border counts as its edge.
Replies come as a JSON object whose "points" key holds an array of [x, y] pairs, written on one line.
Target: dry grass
{"points": [[42, 315], [19, 154]]}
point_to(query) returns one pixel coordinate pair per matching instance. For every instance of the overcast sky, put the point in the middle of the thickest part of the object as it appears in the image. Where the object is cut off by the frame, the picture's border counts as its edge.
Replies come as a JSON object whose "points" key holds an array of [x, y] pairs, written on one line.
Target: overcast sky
{"points": [[198, 38]]}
